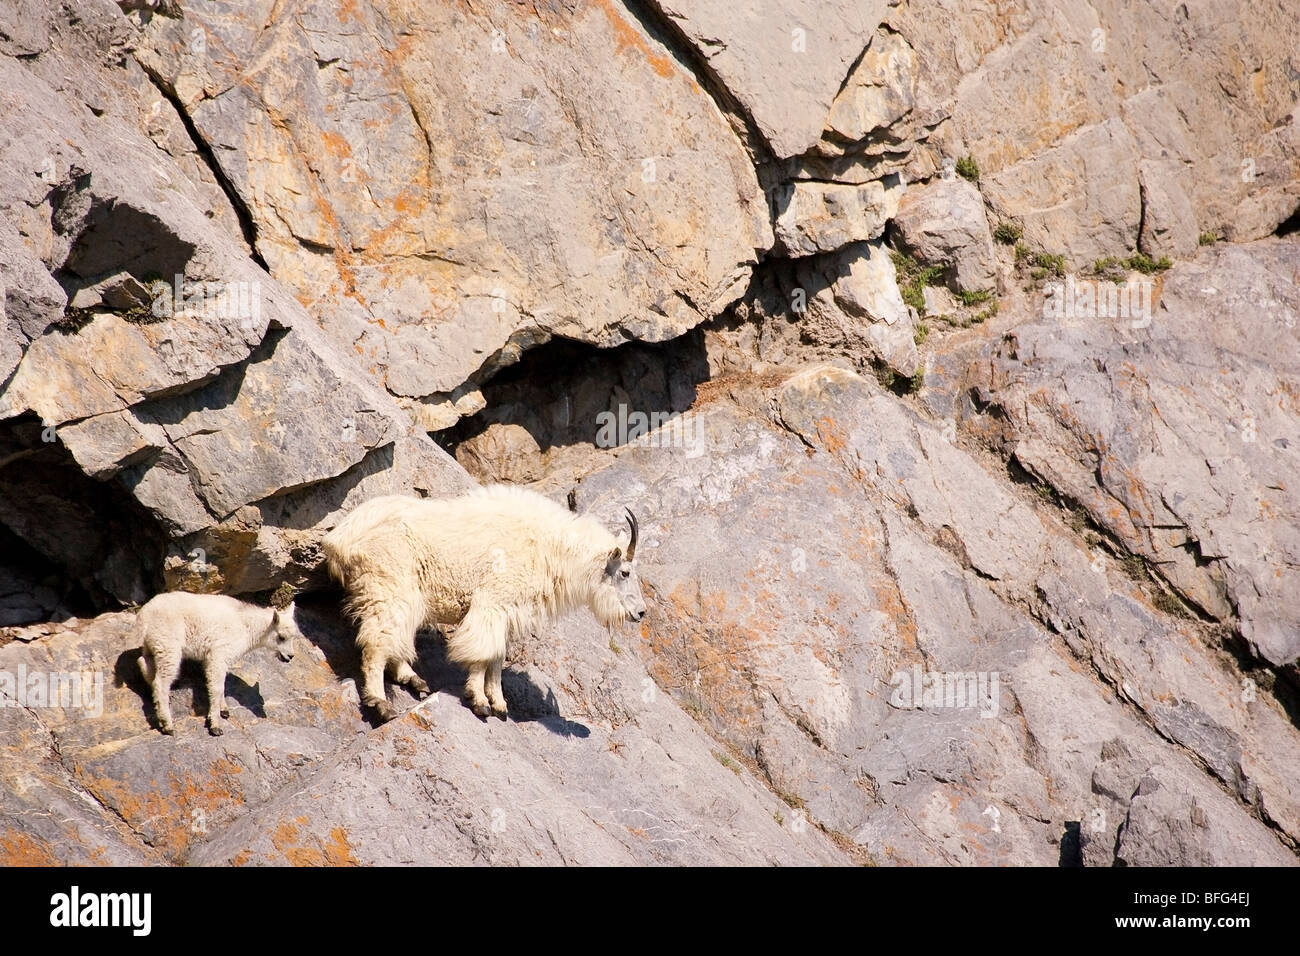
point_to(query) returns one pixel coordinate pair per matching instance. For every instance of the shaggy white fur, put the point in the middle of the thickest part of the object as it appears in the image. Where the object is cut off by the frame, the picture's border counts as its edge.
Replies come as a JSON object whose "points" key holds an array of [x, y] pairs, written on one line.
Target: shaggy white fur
{"points": [[212, 628], [495, 562]]}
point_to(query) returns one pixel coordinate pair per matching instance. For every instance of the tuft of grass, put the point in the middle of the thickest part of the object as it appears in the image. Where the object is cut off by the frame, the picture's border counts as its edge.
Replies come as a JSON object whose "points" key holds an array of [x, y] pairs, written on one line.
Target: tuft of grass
{"points": [[283, 596], [1078, 520], [920, 333], [1053, 263], [1110, 268], [1022, 251], [1141, 262], [73, 321], [614, 647], [1008, 233], [727, 762], [914, 296], [967, 168], [791, 800], [885, 376], [912, 279], [1045, 492], [1207, 239], [974, 297], [1165, 601], [916, 382], [1135, 566], [988, 313], [139, 315]]}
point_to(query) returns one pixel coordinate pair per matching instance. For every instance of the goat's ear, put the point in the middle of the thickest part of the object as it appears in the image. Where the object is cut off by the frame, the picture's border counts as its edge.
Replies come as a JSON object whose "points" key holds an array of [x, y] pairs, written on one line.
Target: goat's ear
{"points": [[615, 558]]}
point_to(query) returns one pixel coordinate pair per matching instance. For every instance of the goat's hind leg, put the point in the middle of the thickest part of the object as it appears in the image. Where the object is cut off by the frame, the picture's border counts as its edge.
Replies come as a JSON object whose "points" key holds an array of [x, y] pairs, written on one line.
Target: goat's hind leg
{"points": [[479, 640], [474, 695], [373, 659], [163, 675], [496, 699]]}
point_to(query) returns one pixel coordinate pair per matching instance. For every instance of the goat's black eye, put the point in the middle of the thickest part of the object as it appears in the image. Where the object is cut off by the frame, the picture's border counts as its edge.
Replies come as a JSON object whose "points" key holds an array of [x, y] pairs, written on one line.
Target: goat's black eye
{"points": [[625, 573]]}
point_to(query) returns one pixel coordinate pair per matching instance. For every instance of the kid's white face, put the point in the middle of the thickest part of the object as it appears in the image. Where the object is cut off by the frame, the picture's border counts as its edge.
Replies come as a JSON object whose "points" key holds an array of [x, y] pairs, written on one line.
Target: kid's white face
{"points": [[286, 632]]}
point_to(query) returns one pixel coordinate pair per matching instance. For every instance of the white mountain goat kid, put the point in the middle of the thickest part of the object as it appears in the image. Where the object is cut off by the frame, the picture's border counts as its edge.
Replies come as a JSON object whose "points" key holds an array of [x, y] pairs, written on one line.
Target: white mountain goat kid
{"points": [[212, 628], [496, 563]]}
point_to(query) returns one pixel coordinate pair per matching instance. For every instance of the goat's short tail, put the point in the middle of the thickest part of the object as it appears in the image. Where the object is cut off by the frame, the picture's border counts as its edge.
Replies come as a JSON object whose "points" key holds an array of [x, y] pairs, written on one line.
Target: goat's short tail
{"points": [[356, 536], [345, 543], [337, 557], [147, 666]]}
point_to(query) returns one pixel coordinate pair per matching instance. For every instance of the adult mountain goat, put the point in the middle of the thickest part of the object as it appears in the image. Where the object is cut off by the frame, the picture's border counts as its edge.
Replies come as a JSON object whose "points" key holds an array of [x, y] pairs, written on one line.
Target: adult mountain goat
{"points": [[495, 562]]}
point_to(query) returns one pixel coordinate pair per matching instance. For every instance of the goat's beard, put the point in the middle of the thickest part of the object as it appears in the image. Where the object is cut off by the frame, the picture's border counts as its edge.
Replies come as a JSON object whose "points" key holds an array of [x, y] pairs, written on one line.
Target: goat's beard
{"points": [[608, 609]]}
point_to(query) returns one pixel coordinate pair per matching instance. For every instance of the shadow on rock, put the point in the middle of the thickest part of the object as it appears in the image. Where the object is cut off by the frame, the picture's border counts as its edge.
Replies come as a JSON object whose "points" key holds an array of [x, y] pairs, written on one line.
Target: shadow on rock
{"points": [[126, 673], [528, 702], [322, 623]]}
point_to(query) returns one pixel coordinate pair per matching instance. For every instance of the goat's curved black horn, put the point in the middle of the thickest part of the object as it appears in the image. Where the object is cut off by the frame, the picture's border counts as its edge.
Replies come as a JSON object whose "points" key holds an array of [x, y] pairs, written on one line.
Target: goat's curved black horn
{"points": [[631, 547]]}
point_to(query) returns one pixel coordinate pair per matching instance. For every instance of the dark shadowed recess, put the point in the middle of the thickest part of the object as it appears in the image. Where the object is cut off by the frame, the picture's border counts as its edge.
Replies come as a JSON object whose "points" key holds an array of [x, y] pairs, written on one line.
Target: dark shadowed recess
{"points": [[113, 237], [91, 537], [116, 237], [558, 391], [102, 547], [34, 589], [1071, 854], [1289, 226]]}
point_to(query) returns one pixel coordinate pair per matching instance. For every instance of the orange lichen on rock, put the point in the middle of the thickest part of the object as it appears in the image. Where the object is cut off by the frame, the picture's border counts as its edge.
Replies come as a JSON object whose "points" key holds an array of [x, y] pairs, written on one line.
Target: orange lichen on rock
{"points": [[626, 37], [173, 815], [20, 849], [831, 435], [309, 850]]}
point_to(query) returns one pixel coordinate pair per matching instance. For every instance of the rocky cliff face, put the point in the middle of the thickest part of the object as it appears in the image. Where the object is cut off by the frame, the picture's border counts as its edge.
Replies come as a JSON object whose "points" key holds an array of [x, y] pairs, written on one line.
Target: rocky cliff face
{"points": [[948, 356]]}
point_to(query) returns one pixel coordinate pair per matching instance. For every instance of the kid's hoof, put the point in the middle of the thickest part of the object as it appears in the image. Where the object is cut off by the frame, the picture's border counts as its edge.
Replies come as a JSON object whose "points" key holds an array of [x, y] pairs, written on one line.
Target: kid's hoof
{"points": [[419, 688], [481, 710], [501, 712], [168, 729], [216, 731], [224, 713], [384, 710]]}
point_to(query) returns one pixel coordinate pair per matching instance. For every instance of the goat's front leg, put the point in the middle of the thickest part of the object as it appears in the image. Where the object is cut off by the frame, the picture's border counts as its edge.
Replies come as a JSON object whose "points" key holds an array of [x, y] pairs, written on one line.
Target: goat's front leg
{"points": [[403, 674]]}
